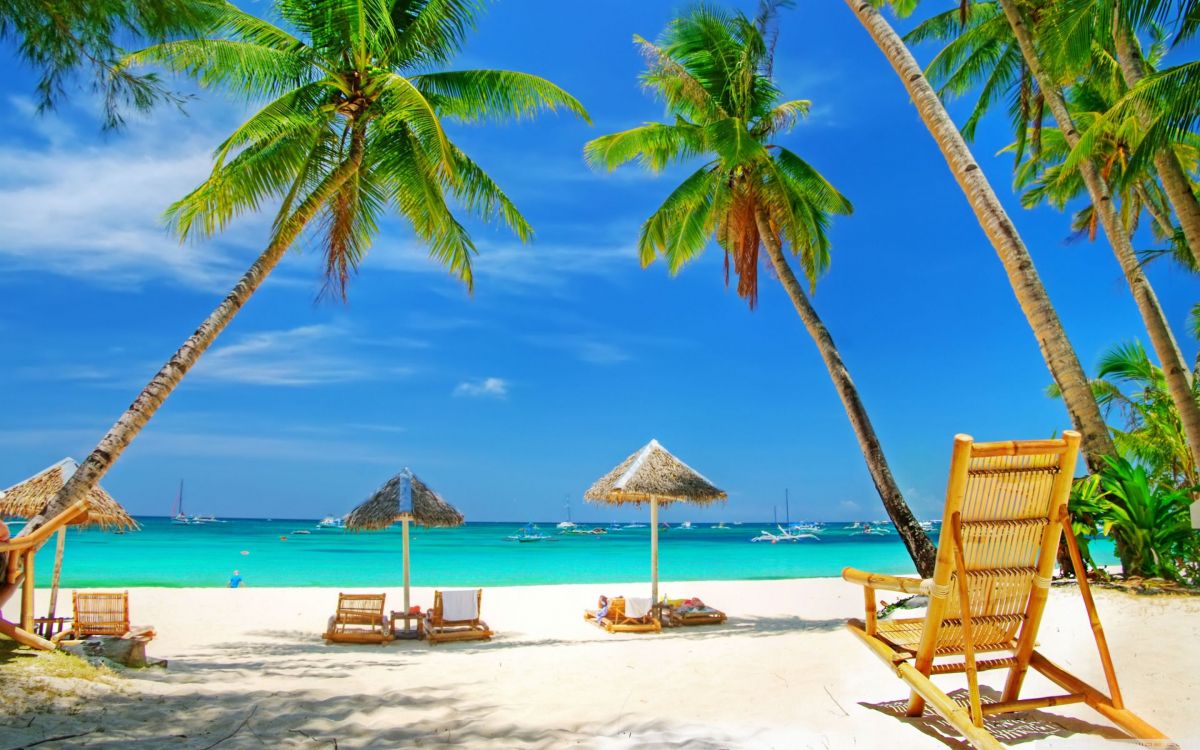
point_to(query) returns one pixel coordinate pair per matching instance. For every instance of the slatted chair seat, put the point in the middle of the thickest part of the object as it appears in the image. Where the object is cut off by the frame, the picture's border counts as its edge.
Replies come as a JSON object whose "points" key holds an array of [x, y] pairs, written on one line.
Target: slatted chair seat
{"points": [[102, 613], [1006, 509], [359, 618]]}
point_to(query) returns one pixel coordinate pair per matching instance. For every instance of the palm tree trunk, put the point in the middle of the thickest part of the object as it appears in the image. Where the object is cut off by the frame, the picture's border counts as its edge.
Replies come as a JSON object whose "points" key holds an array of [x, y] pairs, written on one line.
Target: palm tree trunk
{"points": [[1175, 181], [162, 384], [920, 549], [1161, 218], [1175, 369], [1022, 275]]}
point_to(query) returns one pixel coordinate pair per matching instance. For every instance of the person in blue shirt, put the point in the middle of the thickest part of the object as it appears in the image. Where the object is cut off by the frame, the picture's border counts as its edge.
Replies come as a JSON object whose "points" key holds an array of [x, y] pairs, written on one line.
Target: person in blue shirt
{"points": [[235, 581]]}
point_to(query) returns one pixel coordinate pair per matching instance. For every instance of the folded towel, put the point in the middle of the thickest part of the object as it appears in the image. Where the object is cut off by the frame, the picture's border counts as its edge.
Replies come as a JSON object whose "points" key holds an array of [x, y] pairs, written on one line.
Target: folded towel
{"points": [[636, 606], [460, 605]]}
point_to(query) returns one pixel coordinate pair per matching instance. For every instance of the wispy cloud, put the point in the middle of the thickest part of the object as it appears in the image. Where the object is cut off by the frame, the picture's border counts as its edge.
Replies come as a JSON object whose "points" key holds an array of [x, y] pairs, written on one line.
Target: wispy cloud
{"points": [[485, 388], [519, 267], [302, 356], [583, 347], [73, 205]]}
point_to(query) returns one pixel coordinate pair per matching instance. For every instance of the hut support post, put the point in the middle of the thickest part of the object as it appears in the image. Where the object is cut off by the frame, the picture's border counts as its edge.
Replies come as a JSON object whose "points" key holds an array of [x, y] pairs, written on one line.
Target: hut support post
{"points": [[54, 578], [27, 592], [654, 552], [404, 545]]}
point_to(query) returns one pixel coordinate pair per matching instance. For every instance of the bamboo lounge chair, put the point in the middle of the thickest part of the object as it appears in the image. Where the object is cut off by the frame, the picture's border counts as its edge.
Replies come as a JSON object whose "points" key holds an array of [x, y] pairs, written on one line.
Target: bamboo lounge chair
{"points": [[1006, 508], [104, 614], [455, 617], [614, 618], [359, 619], [687, 612]]}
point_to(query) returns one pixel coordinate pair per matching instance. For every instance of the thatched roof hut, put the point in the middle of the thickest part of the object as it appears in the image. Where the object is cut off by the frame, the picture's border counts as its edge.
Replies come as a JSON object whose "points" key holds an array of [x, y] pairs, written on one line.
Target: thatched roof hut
{"points": [[28, 498], [404, 495], [653, 473]]}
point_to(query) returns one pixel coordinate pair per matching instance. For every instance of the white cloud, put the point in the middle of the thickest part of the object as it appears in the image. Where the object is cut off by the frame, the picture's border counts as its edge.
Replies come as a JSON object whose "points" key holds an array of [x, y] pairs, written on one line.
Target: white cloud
{"points": [[307, 355], [77, 204], [486, 388], [849, 506], [517, 266], [584, 348]]}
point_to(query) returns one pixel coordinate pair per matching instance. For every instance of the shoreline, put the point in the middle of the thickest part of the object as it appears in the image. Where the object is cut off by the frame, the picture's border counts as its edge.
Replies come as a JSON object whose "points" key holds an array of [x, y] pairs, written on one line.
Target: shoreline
{"points": [[549, 679]]}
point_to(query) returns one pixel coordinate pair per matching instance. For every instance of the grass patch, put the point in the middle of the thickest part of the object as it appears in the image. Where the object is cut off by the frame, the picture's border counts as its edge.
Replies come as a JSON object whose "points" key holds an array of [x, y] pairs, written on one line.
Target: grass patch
{"points": [[43, 681]]}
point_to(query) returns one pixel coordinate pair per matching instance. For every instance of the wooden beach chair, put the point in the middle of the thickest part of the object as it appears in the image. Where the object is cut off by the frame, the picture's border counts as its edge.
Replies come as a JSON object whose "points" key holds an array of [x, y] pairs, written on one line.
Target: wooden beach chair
{"points": [[359, 619], [688, 612], [457, 622], [615, 620], [102, 613], [1006, 508]]}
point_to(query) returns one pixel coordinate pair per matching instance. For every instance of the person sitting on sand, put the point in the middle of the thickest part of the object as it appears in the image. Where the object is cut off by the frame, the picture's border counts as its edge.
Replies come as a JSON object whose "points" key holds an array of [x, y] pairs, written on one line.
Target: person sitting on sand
{"points": [[236, 580]]}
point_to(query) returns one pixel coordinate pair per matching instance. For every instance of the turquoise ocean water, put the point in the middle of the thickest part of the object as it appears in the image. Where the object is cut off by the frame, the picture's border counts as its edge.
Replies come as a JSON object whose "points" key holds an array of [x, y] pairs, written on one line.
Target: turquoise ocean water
{"points": [[478, 554]]}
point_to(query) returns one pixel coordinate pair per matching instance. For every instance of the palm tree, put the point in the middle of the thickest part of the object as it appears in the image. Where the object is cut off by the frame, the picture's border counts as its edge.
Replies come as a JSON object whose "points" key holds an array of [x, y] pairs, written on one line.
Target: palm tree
{"points": [[1132, 389], [713, 70], [1175, 369], [352, 128], [1022, 274], [1071, 30]]}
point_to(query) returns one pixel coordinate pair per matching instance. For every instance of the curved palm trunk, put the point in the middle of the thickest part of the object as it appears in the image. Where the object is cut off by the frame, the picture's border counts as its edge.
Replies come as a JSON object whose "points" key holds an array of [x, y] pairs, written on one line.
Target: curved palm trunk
{"points": [[920, 549], [1022, 275], [164, 382], [1175, 181], [1175, 369]]}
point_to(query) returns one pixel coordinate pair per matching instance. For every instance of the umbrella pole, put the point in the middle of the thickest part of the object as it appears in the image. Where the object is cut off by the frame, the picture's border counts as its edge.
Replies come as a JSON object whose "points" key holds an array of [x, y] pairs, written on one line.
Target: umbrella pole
{"points": [[58, 561], [654, 552], [404, 544]]}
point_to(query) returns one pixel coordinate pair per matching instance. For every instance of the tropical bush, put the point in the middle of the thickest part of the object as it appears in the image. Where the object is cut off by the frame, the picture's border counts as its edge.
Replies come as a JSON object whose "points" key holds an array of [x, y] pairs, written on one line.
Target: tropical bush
{"points": [[1147, 518]]}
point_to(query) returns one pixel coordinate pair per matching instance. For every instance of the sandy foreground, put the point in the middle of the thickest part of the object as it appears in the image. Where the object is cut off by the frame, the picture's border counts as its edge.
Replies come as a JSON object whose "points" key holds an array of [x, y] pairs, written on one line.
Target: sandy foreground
{"points": [[248, 669]]}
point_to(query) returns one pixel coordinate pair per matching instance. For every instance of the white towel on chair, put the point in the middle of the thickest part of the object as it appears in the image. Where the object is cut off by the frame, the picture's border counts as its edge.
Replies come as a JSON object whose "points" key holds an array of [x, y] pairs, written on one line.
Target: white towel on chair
{"points": [[460, 605], [637, 606]]}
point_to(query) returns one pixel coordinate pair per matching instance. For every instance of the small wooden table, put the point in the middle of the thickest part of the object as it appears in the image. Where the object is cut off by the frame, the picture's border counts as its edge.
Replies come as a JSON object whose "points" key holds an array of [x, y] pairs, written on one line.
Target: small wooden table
{"points": [[408, 632]]}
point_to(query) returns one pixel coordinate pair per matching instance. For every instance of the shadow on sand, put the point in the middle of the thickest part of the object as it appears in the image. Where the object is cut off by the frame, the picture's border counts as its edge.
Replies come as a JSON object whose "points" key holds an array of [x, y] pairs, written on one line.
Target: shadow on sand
{"points": [[1009, 729]]}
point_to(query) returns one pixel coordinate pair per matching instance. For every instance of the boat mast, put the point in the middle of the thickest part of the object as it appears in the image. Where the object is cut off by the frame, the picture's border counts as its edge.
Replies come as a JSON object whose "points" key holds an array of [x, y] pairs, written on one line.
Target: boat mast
{"points": [[787, 512], [179, 500]]}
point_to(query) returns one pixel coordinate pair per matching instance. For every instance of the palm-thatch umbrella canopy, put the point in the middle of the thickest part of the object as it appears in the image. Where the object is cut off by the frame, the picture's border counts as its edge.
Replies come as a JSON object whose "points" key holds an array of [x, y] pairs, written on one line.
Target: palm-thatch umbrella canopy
{"points": [[403, 498], [28, 498], [655, 476]]}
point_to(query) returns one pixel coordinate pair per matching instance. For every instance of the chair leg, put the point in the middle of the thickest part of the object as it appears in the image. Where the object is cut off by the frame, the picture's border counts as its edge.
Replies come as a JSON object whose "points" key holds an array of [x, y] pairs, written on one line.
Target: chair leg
{"points": [[916, 705]]}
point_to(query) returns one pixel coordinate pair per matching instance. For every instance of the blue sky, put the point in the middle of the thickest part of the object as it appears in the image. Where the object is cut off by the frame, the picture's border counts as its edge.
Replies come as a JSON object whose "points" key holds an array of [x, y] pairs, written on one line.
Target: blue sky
{"points": [[568, 356]]}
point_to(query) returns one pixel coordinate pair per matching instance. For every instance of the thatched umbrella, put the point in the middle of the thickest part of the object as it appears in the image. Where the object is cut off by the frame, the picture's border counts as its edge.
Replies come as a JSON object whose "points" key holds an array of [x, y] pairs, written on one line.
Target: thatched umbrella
{"points": [[403, 498], [655, 476], [27, 499]]}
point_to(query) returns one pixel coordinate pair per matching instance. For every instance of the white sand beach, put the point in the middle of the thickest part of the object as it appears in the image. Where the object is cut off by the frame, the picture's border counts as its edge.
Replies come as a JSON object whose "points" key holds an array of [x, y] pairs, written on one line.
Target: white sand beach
{"points": [[248, 669]]}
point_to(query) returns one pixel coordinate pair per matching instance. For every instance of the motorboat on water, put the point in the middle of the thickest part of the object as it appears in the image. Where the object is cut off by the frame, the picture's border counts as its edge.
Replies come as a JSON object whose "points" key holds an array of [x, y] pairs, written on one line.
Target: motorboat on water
{"points": [[685, 525], [806, 527], [634, 526], [528, 533], [567, 525], [867, 529], [331, 522]]}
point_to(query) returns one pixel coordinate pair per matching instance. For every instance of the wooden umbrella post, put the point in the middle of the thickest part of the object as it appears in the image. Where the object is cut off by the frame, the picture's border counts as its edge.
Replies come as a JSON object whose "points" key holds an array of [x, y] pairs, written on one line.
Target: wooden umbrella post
{"points": [[654, 552], [404, 545], [54, 578]]}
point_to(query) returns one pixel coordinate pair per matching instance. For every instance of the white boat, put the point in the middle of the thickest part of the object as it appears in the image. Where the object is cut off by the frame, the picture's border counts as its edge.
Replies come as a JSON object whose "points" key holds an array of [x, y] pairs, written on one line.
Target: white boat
{"points": [[635, 526], [180, 518], [867, 529], [785, 535], [806, 528], [564, 525], [528, 533], [330, 522], [721, 525], [685, 525]]}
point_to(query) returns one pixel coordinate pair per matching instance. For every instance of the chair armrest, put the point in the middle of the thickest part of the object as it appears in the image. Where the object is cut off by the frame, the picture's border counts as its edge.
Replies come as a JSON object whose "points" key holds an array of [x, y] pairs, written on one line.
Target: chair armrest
{"points": [[886, 582]]}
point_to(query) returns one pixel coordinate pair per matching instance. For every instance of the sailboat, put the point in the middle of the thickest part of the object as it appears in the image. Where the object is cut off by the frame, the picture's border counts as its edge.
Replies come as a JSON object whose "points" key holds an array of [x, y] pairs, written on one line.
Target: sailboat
{"points": [[180, 517], [567, 525]]}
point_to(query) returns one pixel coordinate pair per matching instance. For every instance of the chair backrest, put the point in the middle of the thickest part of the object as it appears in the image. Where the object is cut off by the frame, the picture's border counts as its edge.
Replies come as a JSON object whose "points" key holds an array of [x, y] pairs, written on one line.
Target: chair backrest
{"points": [[1005, 502], [438, 614], [100, 613], [360, 609]]}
